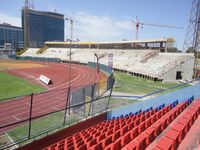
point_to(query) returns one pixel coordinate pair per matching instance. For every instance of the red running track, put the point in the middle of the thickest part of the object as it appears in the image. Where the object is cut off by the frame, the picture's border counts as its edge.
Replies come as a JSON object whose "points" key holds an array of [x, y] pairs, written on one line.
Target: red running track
{"points": [[54, 99]]}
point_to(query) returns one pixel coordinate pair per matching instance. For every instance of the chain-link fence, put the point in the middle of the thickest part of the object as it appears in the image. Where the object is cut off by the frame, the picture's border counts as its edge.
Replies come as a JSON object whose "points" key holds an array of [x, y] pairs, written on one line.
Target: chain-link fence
{"points": [[36, 115]]}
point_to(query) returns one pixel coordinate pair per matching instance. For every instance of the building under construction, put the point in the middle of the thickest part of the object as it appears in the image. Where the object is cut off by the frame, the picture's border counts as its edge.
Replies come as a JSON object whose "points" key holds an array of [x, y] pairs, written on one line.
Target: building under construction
{"points": [[39, 26]]}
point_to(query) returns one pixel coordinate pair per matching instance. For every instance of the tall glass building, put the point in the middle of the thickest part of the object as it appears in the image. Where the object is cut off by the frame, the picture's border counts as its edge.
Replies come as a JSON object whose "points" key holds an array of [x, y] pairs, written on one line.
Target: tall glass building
{"points": [[39, 27], [11, 35]]}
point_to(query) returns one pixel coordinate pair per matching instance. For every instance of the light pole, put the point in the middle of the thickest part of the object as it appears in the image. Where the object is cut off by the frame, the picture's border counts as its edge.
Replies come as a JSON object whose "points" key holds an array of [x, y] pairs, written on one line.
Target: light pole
{"points": [[70, 42], [98, 57], [70, 53], [68, 95]]}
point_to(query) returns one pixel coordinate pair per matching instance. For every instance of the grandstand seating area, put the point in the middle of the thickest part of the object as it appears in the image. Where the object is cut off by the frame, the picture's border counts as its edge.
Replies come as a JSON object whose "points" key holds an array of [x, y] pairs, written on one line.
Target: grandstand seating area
{"points": [[136, 131], [30, 52], [144, 63]]}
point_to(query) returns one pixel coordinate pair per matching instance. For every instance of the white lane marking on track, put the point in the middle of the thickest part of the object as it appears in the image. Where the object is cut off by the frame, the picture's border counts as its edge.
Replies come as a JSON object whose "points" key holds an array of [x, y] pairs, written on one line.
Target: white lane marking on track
{"points": [[15, 118], [55, 108], [27, 104], [64, 83], [60, 98]]}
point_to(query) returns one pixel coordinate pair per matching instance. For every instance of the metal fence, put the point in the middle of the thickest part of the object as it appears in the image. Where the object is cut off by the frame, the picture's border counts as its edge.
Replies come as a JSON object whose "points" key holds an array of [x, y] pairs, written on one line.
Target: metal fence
{"points": [[49, 59], [36, 115]]}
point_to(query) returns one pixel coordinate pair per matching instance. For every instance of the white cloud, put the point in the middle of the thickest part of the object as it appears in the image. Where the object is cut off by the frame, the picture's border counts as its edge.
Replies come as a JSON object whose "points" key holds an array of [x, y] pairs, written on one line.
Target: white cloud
{"points": [[15, 21], [89, 27]]}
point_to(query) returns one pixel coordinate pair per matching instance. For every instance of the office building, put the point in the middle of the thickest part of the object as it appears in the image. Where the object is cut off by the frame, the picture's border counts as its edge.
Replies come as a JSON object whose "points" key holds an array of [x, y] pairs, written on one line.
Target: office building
{"points": [[39, 27], [11, 35]]}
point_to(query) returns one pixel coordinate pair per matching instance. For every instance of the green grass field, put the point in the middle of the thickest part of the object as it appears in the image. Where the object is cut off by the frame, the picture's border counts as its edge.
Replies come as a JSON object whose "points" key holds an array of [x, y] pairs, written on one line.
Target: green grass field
{"points": [[135, 85], [40, 125], [12, 86]]}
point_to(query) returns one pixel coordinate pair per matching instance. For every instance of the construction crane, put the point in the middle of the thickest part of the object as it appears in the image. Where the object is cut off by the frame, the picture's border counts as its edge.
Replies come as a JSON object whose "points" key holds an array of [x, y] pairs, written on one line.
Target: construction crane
{"points": [[138, 24]]}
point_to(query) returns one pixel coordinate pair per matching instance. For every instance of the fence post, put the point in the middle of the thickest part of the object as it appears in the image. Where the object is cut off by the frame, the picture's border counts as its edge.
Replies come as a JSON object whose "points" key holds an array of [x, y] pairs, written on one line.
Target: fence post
{"points": [[30, 117], [66, 105], [113, 82], [92, 97]]}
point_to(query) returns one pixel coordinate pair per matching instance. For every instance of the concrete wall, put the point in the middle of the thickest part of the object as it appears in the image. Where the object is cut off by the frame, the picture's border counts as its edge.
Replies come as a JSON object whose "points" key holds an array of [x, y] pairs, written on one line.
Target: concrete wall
{"points": [[180, 95], [186, 68]]}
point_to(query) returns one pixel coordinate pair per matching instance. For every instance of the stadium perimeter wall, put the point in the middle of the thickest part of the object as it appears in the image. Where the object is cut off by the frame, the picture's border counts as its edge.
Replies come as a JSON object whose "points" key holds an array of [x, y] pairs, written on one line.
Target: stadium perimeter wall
{"points": [[180, 95]]}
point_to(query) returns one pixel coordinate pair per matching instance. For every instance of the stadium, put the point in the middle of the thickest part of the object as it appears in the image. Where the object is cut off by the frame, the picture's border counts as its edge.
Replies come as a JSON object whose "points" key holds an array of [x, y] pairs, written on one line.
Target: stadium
{"points": [[111, 95]]}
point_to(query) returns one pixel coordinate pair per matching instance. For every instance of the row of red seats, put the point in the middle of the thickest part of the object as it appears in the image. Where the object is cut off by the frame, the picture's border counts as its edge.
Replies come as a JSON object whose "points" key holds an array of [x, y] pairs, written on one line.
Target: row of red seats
{"points": [[148, 135], [98, 132], [124, 138], [103, 134], [176, 134]]}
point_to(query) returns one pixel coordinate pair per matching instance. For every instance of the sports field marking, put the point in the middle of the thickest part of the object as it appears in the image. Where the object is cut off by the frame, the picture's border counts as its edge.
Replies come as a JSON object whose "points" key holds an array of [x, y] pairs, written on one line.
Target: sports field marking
{"points": [[27, 104], [55, 108], [15, 118], [65, 83], [60, 98]]}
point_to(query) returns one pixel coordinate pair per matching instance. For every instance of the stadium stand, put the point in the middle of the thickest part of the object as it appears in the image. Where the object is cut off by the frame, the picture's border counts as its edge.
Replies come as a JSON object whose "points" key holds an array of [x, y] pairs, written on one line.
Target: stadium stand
{"points": [[30, 52], [136, 130], [149, 64]]}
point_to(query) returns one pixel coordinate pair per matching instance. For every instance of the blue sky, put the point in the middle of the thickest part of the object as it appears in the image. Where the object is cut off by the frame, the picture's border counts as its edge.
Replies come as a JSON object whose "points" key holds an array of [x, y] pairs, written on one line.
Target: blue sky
{"points": [[110, 20]]}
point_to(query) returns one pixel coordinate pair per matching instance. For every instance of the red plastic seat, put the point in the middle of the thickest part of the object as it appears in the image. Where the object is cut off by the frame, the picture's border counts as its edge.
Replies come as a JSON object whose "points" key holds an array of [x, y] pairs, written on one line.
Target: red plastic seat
{"points": [[71, 148], [132, 145], [147, 115], [193, 112], [109, 147], [173, 135], [181, 129], [79, 144], [163, 121], [142, 118], [97, 134], [107, 141], [116, 135], [164, 144], [70, 144], [97, 147], [88, 139], [185, 122], [53, 146], [83, 147], [116, 128], [151, 132], [91, 143], [131, 125], [101, 137], [134, 132], [153, 119], [142, 141], [157, 127], [189, 117], [148, 123], [158, 115], [124, 130], [137, 122], [109, 132], [142, 127], [126, 138], [169, 118], [117, 144]]}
